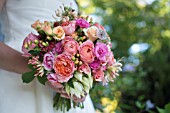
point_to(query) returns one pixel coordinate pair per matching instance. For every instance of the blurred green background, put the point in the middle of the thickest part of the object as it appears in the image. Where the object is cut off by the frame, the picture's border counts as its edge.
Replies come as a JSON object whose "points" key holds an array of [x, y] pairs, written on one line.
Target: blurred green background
{"points": [[140, 32]]}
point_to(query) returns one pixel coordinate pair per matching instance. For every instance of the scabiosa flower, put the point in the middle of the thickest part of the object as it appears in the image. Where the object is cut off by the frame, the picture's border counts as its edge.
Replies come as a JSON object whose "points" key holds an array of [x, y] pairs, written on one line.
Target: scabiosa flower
{"points": [[95, 64], [101, 35], [101, 51]]}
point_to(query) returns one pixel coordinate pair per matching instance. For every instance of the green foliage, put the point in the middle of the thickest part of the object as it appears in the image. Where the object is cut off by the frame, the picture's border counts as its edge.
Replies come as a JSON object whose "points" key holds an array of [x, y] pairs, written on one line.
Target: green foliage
{"points": [[42, 79], [28, 76], [129, 22], [166, 110]]}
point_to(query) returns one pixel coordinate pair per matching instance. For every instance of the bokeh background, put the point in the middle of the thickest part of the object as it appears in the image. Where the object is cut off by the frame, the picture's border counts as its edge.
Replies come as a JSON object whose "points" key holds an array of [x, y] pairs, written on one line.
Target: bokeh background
{"points": [[140, 32]]}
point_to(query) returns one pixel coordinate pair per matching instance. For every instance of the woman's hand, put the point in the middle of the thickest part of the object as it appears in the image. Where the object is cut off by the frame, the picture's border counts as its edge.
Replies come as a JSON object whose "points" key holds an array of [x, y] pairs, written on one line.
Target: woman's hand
{"points": [[12, 60], [65, 95]]}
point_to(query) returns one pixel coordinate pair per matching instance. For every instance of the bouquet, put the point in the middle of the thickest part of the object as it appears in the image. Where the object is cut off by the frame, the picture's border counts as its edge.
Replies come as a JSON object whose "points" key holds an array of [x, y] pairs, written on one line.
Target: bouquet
{"points": [[70, 55]]}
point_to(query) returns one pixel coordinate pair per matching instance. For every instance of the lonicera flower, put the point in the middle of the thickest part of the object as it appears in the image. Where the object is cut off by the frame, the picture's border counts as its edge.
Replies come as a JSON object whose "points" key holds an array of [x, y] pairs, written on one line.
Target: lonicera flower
{"points": [[70, 45], [82, 23], [48, 61], [69, 27], [101, 51], [59, 33], [28, 44], [63, 67], [86, 51]]}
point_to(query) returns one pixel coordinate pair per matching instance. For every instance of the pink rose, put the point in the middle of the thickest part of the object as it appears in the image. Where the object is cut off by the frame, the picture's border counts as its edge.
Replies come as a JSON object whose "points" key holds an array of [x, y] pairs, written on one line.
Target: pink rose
{"points": [[86, 51], [70, 45], [69, 27], [99, 26], [52, 78], [98, 75], [28, 44], [110, 59], [85, 68], [48, 61], [63, 67]]}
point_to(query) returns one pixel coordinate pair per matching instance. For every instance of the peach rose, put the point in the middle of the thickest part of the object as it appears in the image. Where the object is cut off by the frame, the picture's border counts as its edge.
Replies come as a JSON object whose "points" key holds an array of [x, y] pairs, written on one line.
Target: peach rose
{"points": [[98, 75], [47, 29], [36, 24], [69, 27], [85, 68], [70, 45], [59, 33], [63, 67], [86, 51], [91, 33]]}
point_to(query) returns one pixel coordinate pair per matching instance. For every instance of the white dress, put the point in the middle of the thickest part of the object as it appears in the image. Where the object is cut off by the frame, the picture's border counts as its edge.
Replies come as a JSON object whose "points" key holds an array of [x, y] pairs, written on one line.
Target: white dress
{"points": [[15, 96]]}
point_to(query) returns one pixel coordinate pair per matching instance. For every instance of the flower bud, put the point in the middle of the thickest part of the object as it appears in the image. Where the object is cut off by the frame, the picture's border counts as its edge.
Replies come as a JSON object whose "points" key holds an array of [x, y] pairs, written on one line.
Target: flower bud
{"points": [[49, 38], [73, 58], [80, 63], [36, 41], [78, 55]]}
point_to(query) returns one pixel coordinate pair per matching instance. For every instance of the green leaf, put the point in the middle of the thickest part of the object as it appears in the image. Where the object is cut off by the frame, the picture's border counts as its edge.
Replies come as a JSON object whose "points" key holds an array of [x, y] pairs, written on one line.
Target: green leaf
{"points": [[34, 52], [167, 108], [28, 76], [160, 110], [42, 79], [31, 67]]}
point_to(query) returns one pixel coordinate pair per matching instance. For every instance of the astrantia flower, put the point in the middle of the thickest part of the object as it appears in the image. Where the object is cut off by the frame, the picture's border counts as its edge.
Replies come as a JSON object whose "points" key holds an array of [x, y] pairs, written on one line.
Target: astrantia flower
{"points": [[63, 67], [101, 35], [82, 23], [101, 51]]}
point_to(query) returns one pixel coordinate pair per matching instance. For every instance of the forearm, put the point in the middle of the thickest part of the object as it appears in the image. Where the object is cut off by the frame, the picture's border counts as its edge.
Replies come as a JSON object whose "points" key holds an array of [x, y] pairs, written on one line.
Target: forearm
{"points": [[12, 60], [2, 2]]}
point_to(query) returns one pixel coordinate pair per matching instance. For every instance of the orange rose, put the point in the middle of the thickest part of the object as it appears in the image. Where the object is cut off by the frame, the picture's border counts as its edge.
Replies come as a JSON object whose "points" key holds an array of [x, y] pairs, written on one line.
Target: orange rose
{"points": [[63, 67]]}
